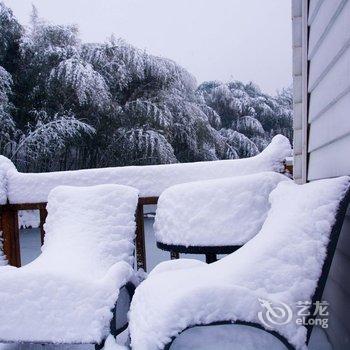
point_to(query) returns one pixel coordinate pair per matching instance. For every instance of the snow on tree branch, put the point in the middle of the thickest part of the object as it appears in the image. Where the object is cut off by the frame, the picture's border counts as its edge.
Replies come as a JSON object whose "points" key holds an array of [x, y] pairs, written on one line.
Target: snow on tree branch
{"points": [[88, 85], [47, 138]]}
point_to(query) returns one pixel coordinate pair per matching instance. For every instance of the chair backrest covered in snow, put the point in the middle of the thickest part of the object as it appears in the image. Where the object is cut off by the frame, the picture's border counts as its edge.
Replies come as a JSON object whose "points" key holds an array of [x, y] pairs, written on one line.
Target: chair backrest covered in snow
{"points": [[290, 257], [219, 212], [88, 229]]}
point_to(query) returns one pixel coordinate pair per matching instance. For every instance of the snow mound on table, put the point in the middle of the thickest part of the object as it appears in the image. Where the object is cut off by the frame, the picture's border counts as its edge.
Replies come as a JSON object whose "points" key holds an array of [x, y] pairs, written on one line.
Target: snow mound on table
{"points": [[219, 212], [282, 263], [67, 293], [150, 180], [5, 166]]}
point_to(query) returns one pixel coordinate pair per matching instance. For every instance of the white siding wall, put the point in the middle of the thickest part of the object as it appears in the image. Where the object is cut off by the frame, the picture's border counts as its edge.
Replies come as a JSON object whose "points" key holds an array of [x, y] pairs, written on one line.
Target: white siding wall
{"points": [[329, 88], [328, 134], [299, 23]]}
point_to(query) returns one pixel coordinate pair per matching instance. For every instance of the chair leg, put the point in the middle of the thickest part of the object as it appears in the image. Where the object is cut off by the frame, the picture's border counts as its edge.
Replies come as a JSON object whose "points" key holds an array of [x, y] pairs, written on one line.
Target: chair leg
{"points": [[210, 258], [174, 255], [101, 345]]}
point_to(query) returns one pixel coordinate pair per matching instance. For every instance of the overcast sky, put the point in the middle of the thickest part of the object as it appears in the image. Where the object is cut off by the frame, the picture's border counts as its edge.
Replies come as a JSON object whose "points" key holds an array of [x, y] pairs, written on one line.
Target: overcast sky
{"points": [[248, 40]]}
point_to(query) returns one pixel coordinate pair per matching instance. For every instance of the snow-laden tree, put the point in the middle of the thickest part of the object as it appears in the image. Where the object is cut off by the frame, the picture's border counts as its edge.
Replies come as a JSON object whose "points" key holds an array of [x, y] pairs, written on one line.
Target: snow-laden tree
{"points": [[159, 97], [43, 47], [68, 105], [48, 44], [80, 81], [242, 145], [5, 86], [244, 108], [7, 125], [47, 138], [10, 36], [248, 126], [32, 127], [136, 146]]}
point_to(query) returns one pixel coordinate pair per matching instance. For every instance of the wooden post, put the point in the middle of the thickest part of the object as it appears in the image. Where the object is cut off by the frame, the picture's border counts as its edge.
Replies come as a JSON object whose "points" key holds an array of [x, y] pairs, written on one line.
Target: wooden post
{"points": [[140, 232], [10, 232], [43, 215], [210, 258], [140, 238]]}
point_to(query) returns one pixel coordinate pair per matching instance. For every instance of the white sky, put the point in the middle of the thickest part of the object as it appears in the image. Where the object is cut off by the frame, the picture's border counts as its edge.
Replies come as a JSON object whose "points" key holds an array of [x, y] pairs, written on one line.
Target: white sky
{"points": [[248, 40]]}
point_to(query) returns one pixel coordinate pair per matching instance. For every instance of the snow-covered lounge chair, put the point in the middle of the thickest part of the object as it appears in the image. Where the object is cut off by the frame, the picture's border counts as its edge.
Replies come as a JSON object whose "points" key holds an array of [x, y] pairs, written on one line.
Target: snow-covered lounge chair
{"points": [[69, 293], [286, 262], [214, 216]]}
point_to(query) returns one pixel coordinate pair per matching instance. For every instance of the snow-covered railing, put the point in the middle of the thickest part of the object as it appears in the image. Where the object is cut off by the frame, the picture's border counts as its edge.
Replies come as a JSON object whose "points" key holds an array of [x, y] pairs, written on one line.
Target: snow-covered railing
{"points": [[29, 191]]}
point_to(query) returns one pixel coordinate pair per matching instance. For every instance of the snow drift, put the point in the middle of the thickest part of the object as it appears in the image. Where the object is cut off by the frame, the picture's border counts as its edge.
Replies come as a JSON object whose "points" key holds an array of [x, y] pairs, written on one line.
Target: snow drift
{"points": [[5, 167], [149, 180]]}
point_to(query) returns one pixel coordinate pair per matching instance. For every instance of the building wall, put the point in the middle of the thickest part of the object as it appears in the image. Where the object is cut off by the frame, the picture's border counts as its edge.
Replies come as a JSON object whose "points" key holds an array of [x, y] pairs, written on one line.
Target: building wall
{"points": [[325, 126], [299, 24]]}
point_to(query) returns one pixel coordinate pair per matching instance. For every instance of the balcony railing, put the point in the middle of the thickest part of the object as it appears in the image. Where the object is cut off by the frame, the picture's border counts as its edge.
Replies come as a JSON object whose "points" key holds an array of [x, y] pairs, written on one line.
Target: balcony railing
{"points": [[170, 175]]}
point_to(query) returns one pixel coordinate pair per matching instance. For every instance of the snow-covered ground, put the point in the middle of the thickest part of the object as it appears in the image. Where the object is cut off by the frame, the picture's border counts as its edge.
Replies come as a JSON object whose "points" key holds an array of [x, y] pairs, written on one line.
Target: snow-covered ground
{"points": [[205, 338]]}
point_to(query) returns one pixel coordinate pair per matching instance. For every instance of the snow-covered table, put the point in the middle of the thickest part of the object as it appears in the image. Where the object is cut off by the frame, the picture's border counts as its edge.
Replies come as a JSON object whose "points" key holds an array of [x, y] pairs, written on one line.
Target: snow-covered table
{"points": [[214, 216]]}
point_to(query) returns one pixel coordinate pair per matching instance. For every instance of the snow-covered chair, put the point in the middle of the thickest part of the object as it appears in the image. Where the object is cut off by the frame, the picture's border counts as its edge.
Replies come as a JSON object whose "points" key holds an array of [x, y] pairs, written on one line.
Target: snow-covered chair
{"points": [[214, 216], [285, 263], [69, 293]]}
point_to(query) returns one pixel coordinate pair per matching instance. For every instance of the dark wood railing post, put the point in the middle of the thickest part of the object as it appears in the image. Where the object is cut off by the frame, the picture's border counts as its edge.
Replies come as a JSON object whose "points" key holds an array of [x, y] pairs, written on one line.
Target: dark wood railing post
{"points": [[43, 215], [140, 238], [10, 233], [140, 231]]}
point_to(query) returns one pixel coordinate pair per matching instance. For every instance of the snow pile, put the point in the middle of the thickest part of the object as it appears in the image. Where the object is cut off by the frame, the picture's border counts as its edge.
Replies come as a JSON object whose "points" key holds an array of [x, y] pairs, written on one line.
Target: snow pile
{"points": [[282, 263], [227, 211], [5, 166], [66, 294], [149, 180]]}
